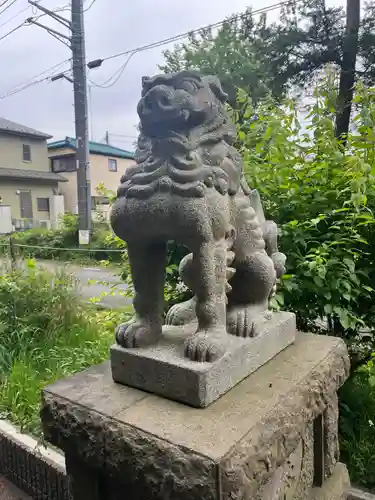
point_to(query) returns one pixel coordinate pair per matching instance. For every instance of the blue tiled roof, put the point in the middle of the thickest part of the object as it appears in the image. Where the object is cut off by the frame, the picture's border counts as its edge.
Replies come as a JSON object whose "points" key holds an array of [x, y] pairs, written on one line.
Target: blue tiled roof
{"points": [[97, 148]]}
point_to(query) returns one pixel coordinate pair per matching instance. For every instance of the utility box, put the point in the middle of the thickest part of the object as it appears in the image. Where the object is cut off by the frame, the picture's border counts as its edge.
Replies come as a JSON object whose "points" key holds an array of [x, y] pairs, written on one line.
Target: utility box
{"points": [[6, 226], [56, 204]]}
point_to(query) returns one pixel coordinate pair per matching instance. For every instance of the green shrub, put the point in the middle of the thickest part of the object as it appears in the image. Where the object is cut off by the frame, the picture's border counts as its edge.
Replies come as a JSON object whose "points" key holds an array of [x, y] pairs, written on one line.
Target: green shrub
{"points": [[357, 425], [46, 333], [50, 244], [322, 197]]}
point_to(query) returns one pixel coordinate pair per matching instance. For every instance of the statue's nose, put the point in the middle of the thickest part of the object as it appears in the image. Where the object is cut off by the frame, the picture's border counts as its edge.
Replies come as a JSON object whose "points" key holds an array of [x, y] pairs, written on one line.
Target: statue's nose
{"points": [[158, 98]]}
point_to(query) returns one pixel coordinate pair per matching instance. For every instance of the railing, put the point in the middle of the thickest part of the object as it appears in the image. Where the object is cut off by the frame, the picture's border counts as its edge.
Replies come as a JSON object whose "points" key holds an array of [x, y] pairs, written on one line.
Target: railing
{"points": [[37, 470]]}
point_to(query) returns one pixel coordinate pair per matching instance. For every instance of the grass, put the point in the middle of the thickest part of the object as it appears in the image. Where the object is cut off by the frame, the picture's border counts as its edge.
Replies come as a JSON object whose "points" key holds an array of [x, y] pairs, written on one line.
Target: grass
{"points": [[46, 333]]}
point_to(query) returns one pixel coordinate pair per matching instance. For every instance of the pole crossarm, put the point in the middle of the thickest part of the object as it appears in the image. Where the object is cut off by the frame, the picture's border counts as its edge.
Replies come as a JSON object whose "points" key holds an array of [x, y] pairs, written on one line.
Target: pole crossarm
{"points": [[53, 14]]}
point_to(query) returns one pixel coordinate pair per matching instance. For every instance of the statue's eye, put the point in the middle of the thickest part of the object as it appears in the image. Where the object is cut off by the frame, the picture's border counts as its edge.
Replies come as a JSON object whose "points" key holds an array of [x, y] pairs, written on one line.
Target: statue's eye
{"points": [[190, 86]]}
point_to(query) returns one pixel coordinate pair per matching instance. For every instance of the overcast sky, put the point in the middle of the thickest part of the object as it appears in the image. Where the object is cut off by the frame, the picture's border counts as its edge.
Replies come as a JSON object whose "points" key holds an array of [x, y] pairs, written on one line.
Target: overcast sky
{"points": [[112, 26]]}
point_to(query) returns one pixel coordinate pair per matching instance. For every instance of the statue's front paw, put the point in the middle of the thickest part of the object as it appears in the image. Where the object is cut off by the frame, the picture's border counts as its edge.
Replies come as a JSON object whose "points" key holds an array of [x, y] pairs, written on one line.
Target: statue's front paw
{"points": [[247, 321], [206, 346], [136, 335]]}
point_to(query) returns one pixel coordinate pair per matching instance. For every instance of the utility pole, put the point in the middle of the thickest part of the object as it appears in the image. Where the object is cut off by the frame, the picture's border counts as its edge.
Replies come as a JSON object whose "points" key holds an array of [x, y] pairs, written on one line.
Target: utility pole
{"points": [[107, 137], [81, 119], [76, 42], [347, 76]]}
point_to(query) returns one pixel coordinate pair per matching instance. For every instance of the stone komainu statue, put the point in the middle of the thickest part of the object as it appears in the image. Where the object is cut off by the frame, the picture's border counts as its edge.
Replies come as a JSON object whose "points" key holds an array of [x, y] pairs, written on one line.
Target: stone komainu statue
{"points": [[188, 186]]}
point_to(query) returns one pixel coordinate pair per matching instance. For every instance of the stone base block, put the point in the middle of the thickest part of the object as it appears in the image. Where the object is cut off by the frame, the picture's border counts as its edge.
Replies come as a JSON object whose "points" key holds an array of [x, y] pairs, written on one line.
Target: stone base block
{"points": [[335, 488], [162, 368], [272, 437]]}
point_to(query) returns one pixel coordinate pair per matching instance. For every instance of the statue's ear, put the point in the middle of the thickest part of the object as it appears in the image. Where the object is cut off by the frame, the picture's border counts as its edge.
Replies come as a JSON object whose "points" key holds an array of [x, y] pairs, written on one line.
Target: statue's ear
{"points": [[145, 80], [215, 86], [145, 84]]}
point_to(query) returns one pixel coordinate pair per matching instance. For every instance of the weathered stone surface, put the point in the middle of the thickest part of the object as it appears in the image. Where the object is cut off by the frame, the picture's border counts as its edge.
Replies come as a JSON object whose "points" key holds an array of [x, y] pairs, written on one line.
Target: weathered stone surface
{"points": [[162, 368], [229, 450], [358, 494], [293, 480], [335, 488], [331, 435], [273, 439], [188, 186], [158, 468]]}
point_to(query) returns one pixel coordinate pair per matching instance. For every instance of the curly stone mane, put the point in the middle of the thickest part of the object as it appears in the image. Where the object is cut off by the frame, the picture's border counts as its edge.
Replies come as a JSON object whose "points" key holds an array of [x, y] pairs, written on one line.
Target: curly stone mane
{"points": [[189, 159]]}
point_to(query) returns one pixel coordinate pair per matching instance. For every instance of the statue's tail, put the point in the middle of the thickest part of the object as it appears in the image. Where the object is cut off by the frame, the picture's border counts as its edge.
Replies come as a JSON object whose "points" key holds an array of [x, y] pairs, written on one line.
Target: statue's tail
{"points": [[270, 233]]}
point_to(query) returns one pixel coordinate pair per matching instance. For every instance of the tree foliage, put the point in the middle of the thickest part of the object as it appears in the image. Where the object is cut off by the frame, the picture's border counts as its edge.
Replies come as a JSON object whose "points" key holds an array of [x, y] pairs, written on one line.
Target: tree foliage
{"points": [[323, 199], [262, 57]]}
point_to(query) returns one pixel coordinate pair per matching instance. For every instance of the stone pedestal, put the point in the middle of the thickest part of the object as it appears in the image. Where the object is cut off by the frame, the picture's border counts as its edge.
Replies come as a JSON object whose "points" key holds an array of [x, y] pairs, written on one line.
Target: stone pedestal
{"points": [[164, 370], [272, 437]]}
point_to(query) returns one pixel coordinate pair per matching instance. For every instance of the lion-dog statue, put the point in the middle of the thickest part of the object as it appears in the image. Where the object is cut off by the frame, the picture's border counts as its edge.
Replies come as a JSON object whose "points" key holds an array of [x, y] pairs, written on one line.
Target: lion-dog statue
{"points": [[188, 186]]}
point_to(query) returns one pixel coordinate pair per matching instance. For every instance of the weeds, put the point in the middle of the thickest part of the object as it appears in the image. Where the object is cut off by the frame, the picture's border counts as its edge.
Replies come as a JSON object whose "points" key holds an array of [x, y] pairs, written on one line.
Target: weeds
{"points": [[46, 333]]}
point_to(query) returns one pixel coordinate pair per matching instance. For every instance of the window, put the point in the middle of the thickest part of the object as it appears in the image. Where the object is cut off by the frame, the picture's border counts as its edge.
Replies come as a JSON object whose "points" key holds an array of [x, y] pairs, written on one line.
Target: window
{"points": [[96, 201], [26, 152], [64, 164], [112, 165], [42, 204]]}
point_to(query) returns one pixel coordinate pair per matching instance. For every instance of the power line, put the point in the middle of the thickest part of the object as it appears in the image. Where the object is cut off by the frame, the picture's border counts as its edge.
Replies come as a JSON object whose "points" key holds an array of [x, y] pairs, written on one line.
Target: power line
{"points": [[31, 84], [15, 15], [34, 80], [126, 136], [8, 6], [195, 31], [120, 71], [151, 45], [12, 31], [27, 21], [89, 7]]}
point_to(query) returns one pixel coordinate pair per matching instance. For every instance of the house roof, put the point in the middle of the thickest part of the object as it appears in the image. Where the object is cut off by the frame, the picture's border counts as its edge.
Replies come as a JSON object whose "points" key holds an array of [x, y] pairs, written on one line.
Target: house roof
{"points": [[97, 148], [18, 173], [17, 129]]}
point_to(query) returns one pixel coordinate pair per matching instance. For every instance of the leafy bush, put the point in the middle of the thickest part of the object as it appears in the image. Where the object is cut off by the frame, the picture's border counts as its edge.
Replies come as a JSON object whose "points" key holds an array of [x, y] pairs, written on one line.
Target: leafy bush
{"points": [[322, 197], [45, 334], [357, 425], [50, 244]]}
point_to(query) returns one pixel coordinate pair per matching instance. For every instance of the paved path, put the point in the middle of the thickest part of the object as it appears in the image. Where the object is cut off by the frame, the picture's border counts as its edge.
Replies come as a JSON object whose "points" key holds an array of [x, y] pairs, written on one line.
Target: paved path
{"points": [[111, 282], [84, 274], [9, 492]]}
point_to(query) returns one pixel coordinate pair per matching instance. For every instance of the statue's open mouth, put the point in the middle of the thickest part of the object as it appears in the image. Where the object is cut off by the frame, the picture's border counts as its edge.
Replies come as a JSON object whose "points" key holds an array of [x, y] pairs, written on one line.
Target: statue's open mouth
{"points": [[157, 124]]}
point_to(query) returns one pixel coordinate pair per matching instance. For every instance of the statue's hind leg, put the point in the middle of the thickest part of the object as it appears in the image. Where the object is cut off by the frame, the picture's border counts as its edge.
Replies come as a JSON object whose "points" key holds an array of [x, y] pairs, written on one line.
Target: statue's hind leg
{"points": [[147, 264], [254, 278]]}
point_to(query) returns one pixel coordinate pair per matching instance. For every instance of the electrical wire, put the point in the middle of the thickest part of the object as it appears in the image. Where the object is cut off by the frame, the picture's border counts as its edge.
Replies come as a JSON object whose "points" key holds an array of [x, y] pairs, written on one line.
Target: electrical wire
{"points": [[89, 7], [175, 38], [12, 31], [126, 136], [142, 48], [26, 22], [199, 30], [3, 3], [119, 73], [7, 7], [15, 15], [159, 43], [35, 80]]}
